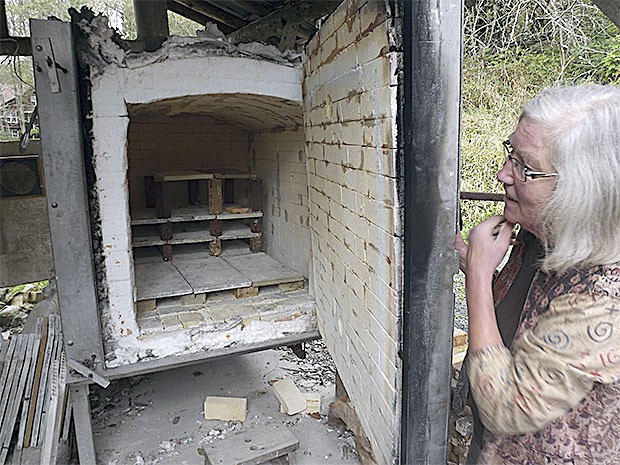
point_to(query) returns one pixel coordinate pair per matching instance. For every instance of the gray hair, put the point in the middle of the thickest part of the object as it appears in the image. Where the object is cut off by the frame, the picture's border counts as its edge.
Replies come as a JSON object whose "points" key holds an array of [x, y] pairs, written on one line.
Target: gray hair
{"points": [[581, 222]]}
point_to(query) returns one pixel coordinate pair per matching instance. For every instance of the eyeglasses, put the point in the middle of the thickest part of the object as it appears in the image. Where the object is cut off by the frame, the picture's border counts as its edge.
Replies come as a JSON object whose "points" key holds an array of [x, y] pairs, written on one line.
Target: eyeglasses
{"points": [[521, 171]]}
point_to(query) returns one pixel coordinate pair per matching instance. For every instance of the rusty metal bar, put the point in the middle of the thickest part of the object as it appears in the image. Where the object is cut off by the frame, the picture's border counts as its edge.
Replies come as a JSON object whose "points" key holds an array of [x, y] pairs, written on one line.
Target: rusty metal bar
{"points": [[488, 196]]}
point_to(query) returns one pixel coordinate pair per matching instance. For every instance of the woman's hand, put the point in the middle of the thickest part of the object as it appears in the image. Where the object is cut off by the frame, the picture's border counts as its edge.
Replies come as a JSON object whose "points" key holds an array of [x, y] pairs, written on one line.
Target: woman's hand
{"points": [[488, 244]]}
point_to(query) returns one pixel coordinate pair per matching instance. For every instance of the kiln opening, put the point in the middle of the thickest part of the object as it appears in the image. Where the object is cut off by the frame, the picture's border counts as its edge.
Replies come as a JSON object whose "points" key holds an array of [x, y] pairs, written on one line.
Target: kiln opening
{"points": [[218, 200]]}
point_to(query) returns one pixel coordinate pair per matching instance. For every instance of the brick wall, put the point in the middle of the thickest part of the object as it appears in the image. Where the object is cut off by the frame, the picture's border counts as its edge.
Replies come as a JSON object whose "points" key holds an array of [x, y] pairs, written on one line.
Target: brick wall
{"points": [[160, 143], [119, 96], [355, 213], [279, 158]]}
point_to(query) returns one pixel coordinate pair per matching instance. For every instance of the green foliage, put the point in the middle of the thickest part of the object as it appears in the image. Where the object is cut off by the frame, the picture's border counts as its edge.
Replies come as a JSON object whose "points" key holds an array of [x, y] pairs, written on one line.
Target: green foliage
{"points": [[37, 286], [508, 61]]}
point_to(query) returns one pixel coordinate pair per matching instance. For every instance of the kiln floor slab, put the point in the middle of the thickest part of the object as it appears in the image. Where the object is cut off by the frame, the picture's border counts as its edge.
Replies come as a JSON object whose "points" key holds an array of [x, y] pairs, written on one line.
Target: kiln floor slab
{"points": [[193, 271]]}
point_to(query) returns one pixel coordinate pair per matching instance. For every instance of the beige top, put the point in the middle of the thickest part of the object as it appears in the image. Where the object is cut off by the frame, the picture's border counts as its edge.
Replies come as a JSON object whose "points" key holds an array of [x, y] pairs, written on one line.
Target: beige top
{"points": [[551, 368]]}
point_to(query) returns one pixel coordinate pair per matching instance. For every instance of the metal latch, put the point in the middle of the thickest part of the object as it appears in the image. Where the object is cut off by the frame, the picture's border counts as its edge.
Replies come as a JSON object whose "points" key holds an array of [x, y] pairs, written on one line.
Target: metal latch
{"points": [[44, 59], [88, 373]]}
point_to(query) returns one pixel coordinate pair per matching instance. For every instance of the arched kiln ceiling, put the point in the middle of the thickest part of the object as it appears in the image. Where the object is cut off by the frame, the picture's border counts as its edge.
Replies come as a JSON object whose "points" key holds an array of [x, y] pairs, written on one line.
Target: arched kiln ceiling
{"points": [[245, 111]]}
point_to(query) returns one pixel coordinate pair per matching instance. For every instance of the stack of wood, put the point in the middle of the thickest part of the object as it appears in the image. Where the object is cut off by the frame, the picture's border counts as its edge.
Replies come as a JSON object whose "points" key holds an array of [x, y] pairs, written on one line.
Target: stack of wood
{"points": [[460, 426], [32, 392], [459, 346]]}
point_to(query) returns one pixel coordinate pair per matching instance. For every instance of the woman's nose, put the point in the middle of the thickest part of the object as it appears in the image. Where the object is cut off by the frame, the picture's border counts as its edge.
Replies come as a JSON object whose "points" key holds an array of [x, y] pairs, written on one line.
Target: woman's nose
{"points": [[505, 174]]}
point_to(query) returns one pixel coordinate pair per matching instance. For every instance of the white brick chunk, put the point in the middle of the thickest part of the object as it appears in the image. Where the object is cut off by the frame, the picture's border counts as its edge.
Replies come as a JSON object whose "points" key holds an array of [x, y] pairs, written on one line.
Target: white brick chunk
{"points": [[289, 396], [313, 403], [226, 408]]}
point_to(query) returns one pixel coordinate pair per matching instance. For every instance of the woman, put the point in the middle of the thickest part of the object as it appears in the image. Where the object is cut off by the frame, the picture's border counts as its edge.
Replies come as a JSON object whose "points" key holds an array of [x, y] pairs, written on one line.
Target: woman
{"points": [[544, 352]]}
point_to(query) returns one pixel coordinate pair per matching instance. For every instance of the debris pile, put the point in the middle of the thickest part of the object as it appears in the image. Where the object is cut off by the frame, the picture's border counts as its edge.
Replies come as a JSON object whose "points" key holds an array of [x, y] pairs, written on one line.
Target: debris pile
{"points": [[15, 306]]}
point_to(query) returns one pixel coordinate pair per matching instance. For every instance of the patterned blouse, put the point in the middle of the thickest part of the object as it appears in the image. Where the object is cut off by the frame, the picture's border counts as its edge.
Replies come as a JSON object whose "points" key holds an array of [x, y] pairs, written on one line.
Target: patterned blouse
{"points": [[554, 396]]}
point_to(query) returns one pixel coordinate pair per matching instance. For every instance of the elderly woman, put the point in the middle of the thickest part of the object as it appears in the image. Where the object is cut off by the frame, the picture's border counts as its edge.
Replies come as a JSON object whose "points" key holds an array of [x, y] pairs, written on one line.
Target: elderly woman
{"points": [[544, 353]]}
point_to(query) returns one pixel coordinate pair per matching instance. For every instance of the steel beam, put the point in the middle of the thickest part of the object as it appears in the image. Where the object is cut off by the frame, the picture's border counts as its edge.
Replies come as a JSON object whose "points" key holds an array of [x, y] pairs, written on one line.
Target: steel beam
{"points": [[78, 397], [611, 8], [55, 72], [151, 22], [429, 126]]}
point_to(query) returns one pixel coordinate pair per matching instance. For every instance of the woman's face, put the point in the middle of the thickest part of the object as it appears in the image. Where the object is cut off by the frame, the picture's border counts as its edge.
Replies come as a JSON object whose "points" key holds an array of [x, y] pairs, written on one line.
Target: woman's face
{"points": [[525, 200]]}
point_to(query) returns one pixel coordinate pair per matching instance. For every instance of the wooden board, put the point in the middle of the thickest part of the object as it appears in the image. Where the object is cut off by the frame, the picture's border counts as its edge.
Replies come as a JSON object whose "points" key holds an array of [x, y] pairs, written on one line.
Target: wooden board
{"points": [[262, 270], [209, 274], [159, 279], [184, 175], [252, 447]]}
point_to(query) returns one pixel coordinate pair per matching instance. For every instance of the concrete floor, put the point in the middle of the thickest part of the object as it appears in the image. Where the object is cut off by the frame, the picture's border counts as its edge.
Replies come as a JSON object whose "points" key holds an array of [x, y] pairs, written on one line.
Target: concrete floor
{"points": [[158, 418]]}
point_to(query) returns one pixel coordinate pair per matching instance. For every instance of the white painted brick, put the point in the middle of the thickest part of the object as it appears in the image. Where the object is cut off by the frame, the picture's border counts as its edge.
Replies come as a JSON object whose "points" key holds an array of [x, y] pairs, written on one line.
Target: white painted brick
{"points": [[383, 215], [225, 408], [379, 161], [106, 96], [343, 86], [375, 43], [289, 396], [378, 102]]}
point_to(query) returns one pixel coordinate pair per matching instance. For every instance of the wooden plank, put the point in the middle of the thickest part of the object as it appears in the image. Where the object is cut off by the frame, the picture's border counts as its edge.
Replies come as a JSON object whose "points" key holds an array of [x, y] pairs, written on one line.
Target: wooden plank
{"points": [[209, 274], [182, 175], [41, 394], [51, 426], [62, 398], [9, 397], [17, 397], [262, 270], [29, 384], [252, 447], [155, 280], [36, 382], [7, 365], [17, 341]]}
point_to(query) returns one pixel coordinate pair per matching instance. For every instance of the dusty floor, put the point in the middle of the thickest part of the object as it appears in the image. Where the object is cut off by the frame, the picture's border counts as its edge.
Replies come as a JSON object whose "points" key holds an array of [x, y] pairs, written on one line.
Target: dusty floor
{"points": [[158, 418]]}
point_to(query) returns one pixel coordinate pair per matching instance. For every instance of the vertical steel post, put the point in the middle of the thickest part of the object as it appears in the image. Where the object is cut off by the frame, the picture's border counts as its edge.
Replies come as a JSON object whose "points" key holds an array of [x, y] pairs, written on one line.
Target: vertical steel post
{"points": [[151, 22], [55, 72], [430, 128], [56, 78]]}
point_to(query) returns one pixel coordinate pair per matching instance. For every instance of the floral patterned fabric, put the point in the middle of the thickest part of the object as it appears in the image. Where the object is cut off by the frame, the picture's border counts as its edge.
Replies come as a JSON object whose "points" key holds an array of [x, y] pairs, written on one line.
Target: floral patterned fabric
{"points": [[561, 375]]}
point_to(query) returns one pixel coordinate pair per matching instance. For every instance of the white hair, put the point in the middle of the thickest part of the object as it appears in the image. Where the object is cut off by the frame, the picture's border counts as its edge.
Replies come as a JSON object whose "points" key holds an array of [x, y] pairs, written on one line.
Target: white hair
{"points": [[581, 222]]}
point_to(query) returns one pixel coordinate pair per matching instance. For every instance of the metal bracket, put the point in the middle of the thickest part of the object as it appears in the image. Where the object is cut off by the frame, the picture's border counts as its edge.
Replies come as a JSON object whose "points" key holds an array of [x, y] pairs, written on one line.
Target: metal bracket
{"points": [[44, 45], [88, 373]]}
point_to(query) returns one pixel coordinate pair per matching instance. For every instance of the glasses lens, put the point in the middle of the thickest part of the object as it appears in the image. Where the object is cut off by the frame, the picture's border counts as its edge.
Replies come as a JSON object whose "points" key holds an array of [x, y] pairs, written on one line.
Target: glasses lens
{"points": [[518, 168]]}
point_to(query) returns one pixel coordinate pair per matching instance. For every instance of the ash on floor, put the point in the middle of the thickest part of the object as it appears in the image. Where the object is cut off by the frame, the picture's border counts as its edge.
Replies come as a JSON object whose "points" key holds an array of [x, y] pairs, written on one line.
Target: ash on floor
{"points": [[158, 418]]}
